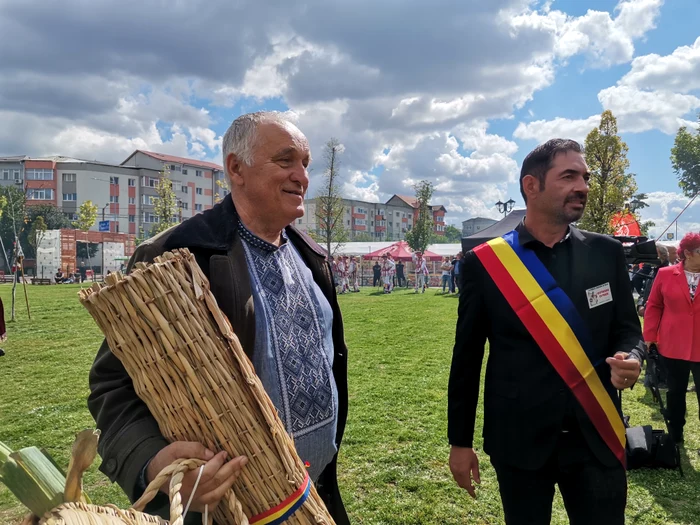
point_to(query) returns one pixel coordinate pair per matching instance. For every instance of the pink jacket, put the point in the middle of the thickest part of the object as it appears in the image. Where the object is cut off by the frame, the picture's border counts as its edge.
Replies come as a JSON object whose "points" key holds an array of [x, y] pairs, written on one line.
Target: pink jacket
{"points": [[671, 319]]}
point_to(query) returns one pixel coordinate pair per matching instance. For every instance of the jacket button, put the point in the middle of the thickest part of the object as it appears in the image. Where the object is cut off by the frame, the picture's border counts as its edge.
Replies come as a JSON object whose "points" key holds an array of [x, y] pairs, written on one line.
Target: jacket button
{"points": [[111, 465]]}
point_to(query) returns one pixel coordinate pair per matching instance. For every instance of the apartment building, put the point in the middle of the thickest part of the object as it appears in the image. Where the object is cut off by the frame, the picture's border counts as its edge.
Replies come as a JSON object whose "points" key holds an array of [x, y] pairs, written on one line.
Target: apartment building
{"points": [[475, 225], [387, 221], [124, 193]]}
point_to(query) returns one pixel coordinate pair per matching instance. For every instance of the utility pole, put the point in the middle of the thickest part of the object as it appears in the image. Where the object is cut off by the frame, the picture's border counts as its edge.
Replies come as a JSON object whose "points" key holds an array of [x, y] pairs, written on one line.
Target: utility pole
{"points": [[103, 243]]}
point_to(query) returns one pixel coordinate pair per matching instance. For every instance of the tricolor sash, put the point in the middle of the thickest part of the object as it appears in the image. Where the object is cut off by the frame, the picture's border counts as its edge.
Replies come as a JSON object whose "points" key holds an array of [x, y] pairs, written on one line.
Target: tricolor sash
{"points": [[556, 326], [283, 511]]}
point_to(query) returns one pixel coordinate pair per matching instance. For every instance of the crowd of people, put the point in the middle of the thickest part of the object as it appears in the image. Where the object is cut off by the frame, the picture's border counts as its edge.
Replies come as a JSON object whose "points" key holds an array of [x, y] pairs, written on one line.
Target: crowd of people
{"points": [[390, 273]]}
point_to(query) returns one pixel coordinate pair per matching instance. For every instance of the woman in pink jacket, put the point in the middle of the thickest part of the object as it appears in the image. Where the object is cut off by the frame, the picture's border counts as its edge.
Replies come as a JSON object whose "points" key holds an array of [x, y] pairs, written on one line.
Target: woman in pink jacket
{"points": [[672, 321]]}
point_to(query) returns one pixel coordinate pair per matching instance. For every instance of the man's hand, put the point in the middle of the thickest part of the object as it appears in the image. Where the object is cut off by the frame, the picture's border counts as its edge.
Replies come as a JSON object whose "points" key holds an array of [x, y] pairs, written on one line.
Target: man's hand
{"points": [[464, 466], [217, 476], [623, 372]]}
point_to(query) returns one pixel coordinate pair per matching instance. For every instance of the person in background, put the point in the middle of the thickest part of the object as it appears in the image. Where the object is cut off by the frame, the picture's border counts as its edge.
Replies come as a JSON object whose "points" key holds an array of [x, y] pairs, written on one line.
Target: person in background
{"points": [[83, 272], [420, 270], [342, 268], [352, 274], [58, 278], [446, 268], [388, 271], [377, 270], [672, 322], [456, 263], [400, 276]]}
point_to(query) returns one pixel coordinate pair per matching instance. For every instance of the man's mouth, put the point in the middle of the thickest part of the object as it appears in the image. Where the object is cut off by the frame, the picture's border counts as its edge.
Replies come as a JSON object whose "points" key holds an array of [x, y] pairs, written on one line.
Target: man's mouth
{"points": [[299, 193]]}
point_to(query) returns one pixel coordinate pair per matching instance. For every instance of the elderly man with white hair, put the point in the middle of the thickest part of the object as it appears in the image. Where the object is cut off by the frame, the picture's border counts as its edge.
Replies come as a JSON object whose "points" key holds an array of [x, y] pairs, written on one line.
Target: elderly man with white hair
{"points": [[274, 284]]}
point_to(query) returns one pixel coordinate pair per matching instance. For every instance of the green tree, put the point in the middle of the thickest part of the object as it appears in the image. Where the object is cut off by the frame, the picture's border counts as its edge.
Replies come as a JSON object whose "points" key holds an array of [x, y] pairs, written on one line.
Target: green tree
{"points": [[37, 232], [453, 235], [421, 235], [363, 237], [638, 202], [610, 185], [329, 204], [87, 215], [12, 220], [53, 217], [165, 205], [685, 159]]}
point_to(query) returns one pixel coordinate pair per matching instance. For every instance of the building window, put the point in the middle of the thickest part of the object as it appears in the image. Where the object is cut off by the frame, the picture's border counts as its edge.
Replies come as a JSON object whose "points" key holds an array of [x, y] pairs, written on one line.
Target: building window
{"points": [[184, 205], [153, 183], [132, 182], [39, 174], [177, 185], [144, 182], [17, 177], [132, 218], [40, 194], [184, 171], [114, 199], [6, 174], [132, 200], [198, 173], [184, 189], [71, 216], [114, 180], [348, 223], [70, 196], [68, 177], [149, 217], [197, 207], [199, 191], [398, 214], [391, 224], [299, 221], [147, 199]]}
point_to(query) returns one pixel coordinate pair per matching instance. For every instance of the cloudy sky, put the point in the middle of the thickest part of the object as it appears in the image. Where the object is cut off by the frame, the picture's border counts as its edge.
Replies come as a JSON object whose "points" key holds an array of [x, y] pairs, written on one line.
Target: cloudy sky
{"points": [[456, 92]]}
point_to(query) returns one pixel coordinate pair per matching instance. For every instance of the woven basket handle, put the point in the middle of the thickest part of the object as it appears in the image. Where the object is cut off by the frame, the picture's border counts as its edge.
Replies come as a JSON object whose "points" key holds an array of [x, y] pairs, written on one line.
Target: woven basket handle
{"points": [[176, 472]]}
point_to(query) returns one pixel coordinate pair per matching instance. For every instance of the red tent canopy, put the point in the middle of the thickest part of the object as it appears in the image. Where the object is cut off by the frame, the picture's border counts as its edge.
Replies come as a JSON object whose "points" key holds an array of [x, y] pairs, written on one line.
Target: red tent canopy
{"points": [[400, 251]]}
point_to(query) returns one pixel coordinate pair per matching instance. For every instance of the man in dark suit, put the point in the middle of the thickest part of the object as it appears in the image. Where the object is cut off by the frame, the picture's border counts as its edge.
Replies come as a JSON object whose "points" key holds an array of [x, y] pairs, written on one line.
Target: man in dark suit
{"points": [[535, 431]]}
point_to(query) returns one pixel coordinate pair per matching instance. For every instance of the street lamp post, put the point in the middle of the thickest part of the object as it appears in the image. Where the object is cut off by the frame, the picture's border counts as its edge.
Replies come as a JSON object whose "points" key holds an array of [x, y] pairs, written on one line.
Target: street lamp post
{"points": [[505, 207], [103, 243]]}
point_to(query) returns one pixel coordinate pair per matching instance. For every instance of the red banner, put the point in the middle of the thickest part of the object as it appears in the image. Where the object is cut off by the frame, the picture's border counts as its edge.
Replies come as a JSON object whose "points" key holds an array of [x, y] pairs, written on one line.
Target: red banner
{"points": [[625, 224]]}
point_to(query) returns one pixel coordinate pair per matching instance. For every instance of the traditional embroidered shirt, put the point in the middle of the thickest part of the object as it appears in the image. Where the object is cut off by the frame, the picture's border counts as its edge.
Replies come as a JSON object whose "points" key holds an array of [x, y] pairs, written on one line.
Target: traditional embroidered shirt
{"points": [[294, 347]]}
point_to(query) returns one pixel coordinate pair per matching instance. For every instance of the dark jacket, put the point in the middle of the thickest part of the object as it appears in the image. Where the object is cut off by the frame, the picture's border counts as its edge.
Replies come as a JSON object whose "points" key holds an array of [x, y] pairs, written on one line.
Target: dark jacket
{"points": [[525, 400], [130, 435]]}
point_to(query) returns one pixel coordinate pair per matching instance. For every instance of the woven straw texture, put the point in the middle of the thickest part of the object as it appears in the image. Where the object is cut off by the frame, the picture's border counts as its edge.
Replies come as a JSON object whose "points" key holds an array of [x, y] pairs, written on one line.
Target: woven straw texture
{"points": [[188, 366]]}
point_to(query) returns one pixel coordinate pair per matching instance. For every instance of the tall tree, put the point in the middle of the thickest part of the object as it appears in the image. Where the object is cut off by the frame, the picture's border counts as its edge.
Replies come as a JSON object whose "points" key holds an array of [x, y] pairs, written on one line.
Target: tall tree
{"points": [[37, 232], [420, 236], [12, 220], [165, 205], [53, 217], [685, 159], [610, 185], [87, 215], [329, 203]]}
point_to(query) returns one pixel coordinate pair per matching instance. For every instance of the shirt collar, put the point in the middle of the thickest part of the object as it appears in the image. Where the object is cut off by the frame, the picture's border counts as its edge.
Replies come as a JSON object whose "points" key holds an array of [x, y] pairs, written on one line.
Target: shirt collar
{"points": [[525, 237], [256, 241]]}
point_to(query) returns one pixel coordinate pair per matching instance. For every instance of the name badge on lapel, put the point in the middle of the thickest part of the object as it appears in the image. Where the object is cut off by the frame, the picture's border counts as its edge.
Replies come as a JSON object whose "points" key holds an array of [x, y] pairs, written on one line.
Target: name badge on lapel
{"points": [[599, 295]]}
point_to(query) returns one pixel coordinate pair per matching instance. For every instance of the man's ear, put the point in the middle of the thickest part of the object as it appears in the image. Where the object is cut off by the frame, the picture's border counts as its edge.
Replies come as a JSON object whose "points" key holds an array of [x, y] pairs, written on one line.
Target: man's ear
{"points": [[531, 186], [233, 170]]}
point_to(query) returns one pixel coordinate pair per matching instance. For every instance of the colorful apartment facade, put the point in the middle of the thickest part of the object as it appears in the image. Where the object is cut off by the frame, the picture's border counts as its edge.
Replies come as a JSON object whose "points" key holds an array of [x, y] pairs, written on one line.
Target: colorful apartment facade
{"points": [[124, 193], [387, 221]]}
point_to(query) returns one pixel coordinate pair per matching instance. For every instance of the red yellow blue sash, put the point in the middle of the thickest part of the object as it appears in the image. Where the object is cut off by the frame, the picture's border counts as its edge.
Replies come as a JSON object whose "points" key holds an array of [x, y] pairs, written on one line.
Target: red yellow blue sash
{"points": [[557, 327], [282, 512]]}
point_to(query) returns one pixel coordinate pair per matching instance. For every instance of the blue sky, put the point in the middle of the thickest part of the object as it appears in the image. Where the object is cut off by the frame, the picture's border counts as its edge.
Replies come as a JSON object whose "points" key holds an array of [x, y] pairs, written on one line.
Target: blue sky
{"points": [[456, 93]]}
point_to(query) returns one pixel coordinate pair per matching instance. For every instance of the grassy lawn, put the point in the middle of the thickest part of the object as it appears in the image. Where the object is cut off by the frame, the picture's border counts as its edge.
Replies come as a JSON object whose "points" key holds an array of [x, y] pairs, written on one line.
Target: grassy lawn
{"points": [[393, 464]]}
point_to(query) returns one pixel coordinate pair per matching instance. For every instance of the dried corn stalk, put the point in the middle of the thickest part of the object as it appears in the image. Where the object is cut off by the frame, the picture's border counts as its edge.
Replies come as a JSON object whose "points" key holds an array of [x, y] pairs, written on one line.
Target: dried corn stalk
{"points": [[188, 366]]}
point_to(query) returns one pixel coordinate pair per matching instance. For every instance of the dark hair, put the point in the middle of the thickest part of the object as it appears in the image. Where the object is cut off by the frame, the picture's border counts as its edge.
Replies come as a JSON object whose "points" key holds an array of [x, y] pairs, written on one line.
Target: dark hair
{"points": [[539, 160]]}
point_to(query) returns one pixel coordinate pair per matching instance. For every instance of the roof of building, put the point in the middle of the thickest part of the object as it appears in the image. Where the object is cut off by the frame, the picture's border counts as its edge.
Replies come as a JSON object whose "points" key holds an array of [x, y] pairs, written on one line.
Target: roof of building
{"points": [[178, 160], [413, 202], [57, 159], [480, 219]]}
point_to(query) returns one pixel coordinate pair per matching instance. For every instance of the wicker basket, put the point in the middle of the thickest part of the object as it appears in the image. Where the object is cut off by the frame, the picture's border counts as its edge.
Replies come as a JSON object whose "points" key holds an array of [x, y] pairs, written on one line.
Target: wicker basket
{"points": [[188, 366], [87, 514]]}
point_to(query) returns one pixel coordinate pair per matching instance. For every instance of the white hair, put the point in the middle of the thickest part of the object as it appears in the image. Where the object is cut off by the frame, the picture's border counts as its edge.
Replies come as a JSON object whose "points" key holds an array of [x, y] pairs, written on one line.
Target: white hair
{"points": [[241, 136], [662, 250]]}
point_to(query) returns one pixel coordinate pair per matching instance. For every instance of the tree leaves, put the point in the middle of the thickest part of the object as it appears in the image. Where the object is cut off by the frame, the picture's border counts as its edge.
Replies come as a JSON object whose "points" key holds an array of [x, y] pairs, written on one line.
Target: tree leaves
{"points": [[419, 237], [611, 187], [685, 159]]}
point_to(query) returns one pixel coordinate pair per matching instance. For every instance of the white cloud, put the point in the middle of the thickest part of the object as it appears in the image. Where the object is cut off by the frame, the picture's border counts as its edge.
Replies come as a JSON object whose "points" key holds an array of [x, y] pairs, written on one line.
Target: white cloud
{"points": [[664, 207], [543, 130], [678, 72]]}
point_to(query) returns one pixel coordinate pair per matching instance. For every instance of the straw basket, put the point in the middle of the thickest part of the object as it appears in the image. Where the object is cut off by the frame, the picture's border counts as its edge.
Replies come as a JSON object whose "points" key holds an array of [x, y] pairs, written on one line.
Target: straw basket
{"points": [[188, 366], [87, 514]]}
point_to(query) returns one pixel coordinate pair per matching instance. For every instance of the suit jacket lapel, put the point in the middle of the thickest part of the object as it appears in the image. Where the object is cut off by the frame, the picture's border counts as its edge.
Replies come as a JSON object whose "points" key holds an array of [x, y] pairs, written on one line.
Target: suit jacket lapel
{"points": [[230, 284], [681, 280], [579, 265]]}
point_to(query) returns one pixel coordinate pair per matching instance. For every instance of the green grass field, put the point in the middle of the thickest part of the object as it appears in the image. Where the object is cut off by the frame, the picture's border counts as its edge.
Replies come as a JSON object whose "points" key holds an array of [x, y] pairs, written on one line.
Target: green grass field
{"points": [[393, 463]]}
